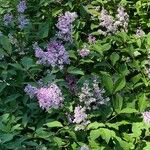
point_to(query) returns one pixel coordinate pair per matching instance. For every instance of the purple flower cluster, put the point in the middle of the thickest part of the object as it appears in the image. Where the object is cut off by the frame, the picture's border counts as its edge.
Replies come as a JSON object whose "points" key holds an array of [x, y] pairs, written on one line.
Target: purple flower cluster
{"points": [[79, 115], [12, 39], [92, 97], [48, 97], [146, 116], [7, 19], [21, 7], [64, 25], [72, 83], [107, 22], [91, 39], [30, 90], [148, 67], [122, 18], [23, 21], [84, 52], [110, 24], [80, 118], [84, 147], [56, 55], [140, 32]]}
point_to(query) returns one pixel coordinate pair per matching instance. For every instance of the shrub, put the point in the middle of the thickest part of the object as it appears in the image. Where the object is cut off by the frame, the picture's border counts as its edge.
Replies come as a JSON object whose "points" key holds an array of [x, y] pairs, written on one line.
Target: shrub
{"points": [[74, 74]]}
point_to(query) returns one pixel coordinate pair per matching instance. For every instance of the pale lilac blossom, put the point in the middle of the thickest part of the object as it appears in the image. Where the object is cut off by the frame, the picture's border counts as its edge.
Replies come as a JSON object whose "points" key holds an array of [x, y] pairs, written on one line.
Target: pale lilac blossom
{"points": [[91, 39], [79, 115], [107, 22], [23, 21], [84, 147], [146, 116], [56, 55], [140, 32], [84, 52], [50, 97], [22, 6], [64, 25], [93, 96], [80, 118], [30, 90], [72, 83], [7, 19], [112, 25], [122, 18], [12, 39]]}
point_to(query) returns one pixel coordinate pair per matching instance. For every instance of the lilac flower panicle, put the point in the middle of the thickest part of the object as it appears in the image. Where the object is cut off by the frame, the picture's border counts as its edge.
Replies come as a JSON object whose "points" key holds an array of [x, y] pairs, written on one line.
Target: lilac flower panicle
{"points": [[86, 95], [23, 21], [30, 90], [91, 39], [93, 96], [112, 25], [22, 6], [84, 147], [84, 52], [56, 55], [79, 115], [140, 32], [39, 53], [64, 25], [72, 83], [50, 97], [107, 21], [99, 94], [148, 67], [122, 18], [64, 21], [80, 118], [12, 39], [146, 116], [7, 19], [148, 71]]}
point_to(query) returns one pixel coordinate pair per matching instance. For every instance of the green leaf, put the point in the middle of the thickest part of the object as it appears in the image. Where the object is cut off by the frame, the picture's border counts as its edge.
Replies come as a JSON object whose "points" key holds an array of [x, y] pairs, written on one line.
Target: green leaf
{"points": [[6, 137], [101, 48], [54, 124], [27, 62], [114, 57], [94, 125], [128, 111], [107, 81], [72, 54], [4, 41], [43, 30], [59, 141], [120, 84], [42, 134], [75, 71], [142, 102], [117, 102], [94, 134], [56, 11], [147, 146], [106, 134], [17, 66], [2, 86]]}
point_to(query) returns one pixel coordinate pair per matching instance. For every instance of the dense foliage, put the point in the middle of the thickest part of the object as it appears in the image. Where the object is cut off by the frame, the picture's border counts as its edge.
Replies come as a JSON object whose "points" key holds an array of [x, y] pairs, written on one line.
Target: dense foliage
{"points": [[74, 75]]}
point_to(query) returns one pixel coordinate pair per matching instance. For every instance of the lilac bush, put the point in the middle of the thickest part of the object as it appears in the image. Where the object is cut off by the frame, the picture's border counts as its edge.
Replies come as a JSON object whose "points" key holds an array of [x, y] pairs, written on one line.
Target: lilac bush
{"points": [[74, 75], [55, 56]]}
